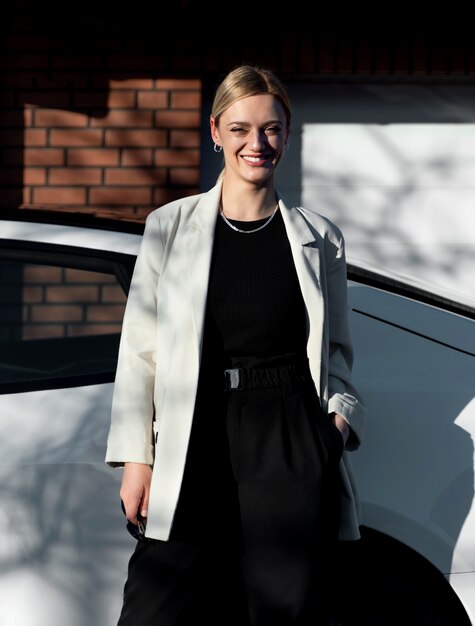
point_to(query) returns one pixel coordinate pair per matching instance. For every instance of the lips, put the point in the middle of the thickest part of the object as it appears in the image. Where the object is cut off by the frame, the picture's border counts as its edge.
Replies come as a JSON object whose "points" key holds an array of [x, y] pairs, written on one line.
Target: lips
{"points": [[255, 160]]}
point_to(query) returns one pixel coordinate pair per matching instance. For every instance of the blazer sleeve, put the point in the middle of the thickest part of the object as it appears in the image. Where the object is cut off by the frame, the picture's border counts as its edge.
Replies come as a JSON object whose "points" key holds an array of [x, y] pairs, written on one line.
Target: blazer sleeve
{"points": [[343, 397], [131, 430]]}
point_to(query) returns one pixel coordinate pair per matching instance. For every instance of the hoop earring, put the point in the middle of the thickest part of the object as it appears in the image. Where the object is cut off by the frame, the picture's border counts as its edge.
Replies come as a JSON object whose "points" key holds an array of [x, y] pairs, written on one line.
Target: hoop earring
{"points": [[217, 148]]}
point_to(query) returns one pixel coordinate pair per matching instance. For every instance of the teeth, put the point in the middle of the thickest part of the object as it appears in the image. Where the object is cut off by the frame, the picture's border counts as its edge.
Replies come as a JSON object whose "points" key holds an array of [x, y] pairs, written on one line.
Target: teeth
{"points": [[253, 159]]}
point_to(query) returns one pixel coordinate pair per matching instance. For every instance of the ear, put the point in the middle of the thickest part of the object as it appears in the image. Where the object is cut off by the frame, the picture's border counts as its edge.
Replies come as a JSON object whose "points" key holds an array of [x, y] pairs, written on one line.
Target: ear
{"points": [[214, 130]]}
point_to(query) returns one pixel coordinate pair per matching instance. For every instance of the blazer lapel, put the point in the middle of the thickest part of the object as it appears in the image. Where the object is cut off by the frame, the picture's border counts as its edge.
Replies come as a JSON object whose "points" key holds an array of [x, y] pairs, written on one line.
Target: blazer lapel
{"points": [[200, 236], [306, 254]]}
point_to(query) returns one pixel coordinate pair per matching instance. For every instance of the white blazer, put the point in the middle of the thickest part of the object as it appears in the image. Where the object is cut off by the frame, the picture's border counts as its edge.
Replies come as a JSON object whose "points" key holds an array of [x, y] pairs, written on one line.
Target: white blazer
{"points": [[159, 356]]}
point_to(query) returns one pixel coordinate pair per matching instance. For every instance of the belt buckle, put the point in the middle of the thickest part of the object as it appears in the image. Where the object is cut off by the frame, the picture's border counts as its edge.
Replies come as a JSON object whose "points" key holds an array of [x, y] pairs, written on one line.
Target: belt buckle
{"points": [[232, 379]]}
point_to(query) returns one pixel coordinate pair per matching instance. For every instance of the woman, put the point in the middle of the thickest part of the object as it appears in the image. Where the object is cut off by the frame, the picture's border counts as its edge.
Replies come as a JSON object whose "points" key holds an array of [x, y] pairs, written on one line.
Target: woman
{"points": [[233, 409]]}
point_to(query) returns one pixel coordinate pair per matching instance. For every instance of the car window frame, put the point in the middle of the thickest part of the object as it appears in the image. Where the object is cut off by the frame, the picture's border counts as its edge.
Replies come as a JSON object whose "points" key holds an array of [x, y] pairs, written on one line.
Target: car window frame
{"points": [[118, 264]]}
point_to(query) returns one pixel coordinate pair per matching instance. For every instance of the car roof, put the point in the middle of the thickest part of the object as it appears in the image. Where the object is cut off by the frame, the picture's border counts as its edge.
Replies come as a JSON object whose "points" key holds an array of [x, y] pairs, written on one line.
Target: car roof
{"points": [[75, 218], [411, 287], [71, 229]]}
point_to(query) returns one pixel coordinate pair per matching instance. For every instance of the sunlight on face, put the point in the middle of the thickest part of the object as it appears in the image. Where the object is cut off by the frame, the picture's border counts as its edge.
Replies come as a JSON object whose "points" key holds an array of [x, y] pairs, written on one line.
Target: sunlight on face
{"points": [[253, 133]]}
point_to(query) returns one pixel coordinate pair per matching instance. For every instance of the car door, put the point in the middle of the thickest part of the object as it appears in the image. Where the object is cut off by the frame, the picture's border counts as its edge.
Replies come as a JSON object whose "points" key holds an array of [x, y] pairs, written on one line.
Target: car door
{"points": [[60, 521]]}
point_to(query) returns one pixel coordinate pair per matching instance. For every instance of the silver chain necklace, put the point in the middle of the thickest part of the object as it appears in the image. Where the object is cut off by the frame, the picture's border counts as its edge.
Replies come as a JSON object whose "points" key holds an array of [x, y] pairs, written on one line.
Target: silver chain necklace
{"points": [[247, 232]]}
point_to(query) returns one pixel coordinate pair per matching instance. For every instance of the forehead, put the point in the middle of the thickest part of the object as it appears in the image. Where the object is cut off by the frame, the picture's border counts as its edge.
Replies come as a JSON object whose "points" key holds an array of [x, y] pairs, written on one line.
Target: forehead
{"points": [[261, 108]]}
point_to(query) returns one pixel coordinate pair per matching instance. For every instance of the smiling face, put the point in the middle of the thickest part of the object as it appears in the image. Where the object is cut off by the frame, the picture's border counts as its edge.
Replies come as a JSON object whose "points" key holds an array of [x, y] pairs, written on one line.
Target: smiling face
{"points": [[253, 133]]}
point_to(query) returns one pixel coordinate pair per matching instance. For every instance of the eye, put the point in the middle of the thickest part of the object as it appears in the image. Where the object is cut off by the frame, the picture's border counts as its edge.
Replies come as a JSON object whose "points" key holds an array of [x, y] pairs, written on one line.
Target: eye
{"points": [[273, 130], [238, 130]]}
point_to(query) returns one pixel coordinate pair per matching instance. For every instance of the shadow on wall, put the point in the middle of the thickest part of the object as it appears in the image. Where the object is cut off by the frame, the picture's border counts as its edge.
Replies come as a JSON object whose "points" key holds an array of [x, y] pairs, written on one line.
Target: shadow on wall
{"points": [[94, 119]]}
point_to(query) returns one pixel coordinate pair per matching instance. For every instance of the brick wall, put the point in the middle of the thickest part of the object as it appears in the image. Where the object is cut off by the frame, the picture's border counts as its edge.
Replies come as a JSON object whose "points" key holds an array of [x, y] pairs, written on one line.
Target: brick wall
{"points": [[76, 139], [102, 113], [140, 150], [68, 302], [51, 301]]}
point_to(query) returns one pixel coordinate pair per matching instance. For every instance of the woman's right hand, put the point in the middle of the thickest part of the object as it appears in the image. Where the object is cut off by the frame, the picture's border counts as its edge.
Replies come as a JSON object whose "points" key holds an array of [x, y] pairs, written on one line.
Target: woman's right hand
{"points": [[135, 490]]}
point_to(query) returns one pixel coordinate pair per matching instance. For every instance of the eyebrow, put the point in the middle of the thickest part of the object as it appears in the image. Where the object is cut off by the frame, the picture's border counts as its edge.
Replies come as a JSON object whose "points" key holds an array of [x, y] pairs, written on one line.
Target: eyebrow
{"points": [[247, 123]]}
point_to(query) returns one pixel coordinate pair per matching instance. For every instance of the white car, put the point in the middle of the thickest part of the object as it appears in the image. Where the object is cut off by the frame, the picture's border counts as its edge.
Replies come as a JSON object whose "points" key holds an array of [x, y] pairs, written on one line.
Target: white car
{"points": [[63, 545]]}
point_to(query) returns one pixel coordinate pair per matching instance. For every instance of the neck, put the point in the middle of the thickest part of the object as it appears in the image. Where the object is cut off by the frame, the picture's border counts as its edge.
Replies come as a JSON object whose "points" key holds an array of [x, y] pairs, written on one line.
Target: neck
{"points": [[248, 205]]}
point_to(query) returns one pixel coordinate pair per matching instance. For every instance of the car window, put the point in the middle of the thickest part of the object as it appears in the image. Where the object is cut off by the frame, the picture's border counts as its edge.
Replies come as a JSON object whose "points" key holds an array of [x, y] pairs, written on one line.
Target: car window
{"points": [[60, 319]]}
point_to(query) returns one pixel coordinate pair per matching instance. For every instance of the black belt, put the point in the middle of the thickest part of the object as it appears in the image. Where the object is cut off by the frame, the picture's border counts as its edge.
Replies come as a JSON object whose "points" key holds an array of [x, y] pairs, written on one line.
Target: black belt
{"points": [[241, 378]]}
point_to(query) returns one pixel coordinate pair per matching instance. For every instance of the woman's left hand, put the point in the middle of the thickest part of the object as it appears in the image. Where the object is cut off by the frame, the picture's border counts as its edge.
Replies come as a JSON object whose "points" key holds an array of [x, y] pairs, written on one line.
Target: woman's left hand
{"points": [[342, 425]]}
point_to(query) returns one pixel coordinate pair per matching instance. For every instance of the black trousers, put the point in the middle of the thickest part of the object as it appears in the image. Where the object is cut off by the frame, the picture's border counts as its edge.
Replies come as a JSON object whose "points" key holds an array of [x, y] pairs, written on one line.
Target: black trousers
{"points": [[254, 534]]}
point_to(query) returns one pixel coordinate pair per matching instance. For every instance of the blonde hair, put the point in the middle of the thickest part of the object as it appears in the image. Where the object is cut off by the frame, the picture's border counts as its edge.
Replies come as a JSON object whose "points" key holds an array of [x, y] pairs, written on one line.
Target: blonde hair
{"points": [[248, 80]]}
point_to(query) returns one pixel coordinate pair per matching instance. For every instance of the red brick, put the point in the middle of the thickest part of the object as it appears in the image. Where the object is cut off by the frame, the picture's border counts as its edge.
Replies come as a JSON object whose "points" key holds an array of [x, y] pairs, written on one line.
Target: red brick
{"points": [[136, 138], [172, 158], [82, 137], [93, 156], [44, 156], [108, 313], [121, 99], [135, 176], [185, 139], [86, 330], [60, 119], [152, 99], [72, 275], [162, 195], [186, 100], [34, 176], [41, 274], [28, 116], [131, 83], [42, 331], [73, 295], [56, 313], [124, 119], [113, 293], [184, 176], [173, 84], [59, 195], [177, 119], [26, 196], [35, 137], [32, 294], [75, 176], [137, 156], [119, 195]]}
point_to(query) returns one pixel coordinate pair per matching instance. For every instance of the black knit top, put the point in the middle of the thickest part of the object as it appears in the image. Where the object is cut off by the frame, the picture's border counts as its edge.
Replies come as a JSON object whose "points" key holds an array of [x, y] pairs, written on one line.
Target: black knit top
{"points": [[255, 306]]}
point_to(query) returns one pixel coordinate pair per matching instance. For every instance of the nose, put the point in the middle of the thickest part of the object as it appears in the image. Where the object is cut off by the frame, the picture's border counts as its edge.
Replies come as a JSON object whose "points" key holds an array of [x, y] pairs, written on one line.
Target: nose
{"points": [[257, 140]]}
